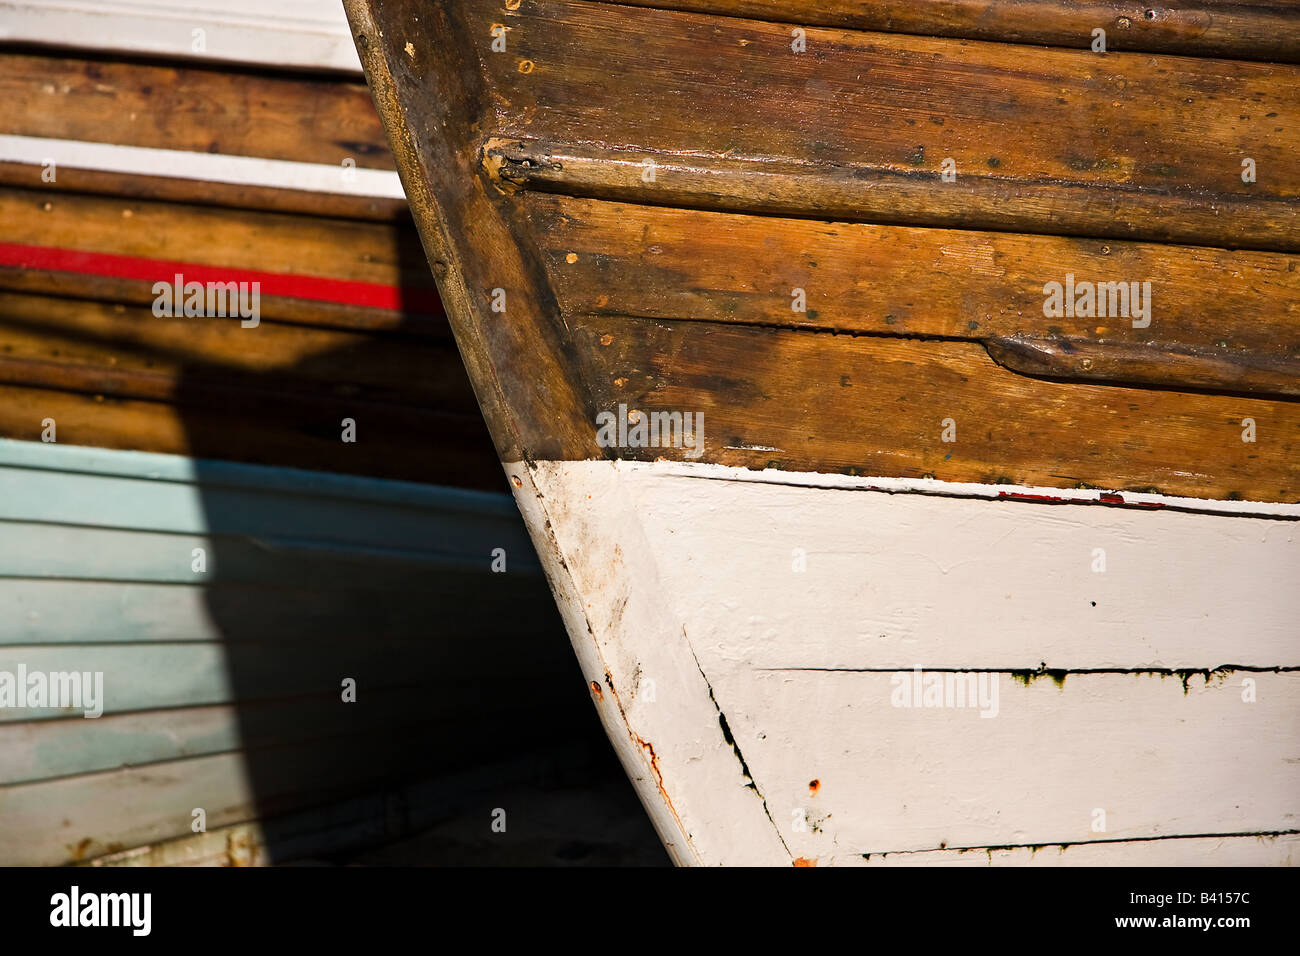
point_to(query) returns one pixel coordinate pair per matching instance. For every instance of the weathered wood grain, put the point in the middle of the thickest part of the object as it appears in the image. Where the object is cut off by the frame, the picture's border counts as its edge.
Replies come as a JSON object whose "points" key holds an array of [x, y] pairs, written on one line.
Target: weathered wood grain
{"points": [[1124, 145], [197, 108], [1217, 319], [357, 274], [875, 406], [1258, 30], [261, 428], [126, 351], [517, 358]]}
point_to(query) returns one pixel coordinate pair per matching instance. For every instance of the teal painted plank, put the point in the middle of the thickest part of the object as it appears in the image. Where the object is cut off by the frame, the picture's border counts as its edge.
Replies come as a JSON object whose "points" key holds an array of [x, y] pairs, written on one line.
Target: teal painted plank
{"points": [[43, 750], [142, 504], [53, 611], [454, 672], [65, 551], [78, 817], [51, 456]]}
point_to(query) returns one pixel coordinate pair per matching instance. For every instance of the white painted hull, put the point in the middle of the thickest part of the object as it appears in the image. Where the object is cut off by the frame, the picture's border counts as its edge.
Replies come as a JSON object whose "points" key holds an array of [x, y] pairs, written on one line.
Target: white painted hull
{"points": [[758, 706]]}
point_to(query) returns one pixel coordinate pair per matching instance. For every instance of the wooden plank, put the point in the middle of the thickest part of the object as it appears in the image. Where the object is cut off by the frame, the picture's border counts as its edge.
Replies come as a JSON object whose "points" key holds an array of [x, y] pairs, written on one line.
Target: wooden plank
{"points": [[608, 259], [445, 665], [841, 579], [532, 407], [197, 108], [447, 525], [128, 351], [879, 407], [77, 818], [54, 551], [291, 34], [1124, 145], [41, 750], [322, 272], [48, 749], [1221, 28], [73, 611], [1158, 760], [392, 441], [199, 191]]}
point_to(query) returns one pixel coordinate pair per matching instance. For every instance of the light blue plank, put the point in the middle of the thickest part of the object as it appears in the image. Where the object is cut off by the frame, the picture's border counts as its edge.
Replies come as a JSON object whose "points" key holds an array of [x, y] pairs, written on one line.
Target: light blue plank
{"points": [[45, 611]]}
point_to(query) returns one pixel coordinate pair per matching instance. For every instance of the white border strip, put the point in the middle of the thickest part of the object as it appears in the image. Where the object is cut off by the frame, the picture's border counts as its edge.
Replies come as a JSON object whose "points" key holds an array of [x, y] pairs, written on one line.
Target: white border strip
{"points": [[961, 489], [299, 34], [208, 167]]}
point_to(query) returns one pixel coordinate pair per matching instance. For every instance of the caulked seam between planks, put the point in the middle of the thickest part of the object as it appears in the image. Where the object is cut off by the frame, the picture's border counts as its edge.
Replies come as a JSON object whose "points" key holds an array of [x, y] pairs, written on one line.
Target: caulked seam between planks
{"points": [[1069, 843]]}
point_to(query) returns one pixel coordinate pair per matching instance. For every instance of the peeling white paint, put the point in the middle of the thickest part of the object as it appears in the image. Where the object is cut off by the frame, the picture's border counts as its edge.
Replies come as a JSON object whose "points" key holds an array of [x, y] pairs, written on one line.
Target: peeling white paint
{"points": [[787, 602]]}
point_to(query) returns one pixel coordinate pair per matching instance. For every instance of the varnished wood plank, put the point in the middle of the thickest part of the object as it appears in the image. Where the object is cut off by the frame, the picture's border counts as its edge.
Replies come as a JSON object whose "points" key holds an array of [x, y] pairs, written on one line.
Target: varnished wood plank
{"points": [[128, 351], [498, 302], [325, 272], [879, 407], [612, 259], [1123, 145], [264, 428], [192, 107], [1258, 30]]}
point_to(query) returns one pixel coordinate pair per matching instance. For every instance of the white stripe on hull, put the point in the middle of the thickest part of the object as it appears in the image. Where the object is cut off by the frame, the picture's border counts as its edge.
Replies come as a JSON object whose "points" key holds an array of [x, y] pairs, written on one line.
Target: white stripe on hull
{"points": [[792, 612], [307, 34], [203, 167]]}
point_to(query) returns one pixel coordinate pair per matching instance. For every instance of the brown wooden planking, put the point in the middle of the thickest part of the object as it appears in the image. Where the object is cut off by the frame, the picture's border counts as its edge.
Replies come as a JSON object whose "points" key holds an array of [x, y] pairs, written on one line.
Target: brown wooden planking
{"points": [[127, 351], [799, 401], [518, 360], [206, 192], [1121, 145], [383, 254], [1254, 30], [201, 109], [1219, 319], [392, 442]]}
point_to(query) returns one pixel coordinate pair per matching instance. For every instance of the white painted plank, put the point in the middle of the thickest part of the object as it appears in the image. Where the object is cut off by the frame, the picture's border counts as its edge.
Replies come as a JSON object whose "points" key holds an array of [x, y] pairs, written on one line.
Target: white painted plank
{"points": [[204, 167], [310, 34], [904, 580], [1282, 850], [667, 732], [661, 573], [1157, 761]]}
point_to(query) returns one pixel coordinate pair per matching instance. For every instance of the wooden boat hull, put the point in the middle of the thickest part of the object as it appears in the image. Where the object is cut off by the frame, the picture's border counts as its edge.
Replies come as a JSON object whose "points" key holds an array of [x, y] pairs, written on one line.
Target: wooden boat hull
{"points": [[227, 519], [775, 659], [225, 606], [895, 468]]}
